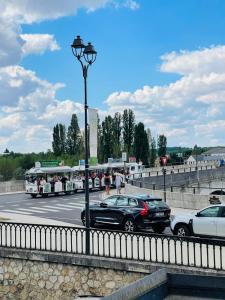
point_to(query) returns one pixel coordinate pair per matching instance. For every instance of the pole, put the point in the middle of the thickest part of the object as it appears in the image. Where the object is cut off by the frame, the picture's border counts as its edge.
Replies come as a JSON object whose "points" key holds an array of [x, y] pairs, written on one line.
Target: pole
{"points": [[164, 184], [87, 209]]}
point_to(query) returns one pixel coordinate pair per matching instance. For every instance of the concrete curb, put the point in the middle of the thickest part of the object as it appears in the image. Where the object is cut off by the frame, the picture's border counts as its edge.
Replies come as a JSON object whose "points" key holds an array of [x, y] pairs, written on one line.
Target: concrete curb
{"points": [[12, 193]]}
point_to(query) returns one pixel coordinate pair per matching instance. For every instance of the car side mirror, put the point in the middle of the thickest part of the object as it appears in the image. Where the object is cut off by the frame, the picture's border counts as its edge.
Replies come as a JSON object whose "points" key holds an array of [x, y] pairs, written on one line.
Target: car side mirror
{"points": [[103, 204], [198, 214]]}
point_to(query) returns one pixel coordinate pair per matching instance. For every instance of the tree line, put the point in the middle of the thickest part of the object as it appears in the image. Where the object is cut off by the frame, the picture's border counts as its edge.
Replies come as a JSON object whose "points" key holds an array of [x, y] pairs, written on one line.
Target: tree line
{"points": [[116, 134]]}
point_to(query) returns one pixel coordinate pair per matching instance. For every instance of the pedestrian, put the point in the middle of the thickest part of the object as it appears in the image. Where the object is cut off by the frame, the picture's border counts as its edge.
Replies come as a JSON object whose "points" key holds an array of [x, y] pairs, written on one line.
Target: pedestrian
{"points": [[107, 181], [118, 182]]}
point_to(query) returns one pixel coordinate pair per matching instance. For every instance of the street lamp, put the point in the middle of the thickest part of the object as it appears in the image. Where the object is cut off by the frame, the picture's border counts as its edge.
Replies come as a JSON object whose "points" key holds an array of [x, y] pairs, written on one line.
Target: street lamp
{"points": [[86, 55]]}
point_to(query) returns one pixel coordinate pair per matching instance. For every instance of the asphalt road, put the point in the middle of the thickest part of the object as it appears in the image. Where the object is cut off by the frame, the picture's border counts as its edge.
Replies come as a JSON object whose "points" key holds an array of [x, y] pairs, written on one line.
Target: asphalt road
{"points": [[65, 208]]}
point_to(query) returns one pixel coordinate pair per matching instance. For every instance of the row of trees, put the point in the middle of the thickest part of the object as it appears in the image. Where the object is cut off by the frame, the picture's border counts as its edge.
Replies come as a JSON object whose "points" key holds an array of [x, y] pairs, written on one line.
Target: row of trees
{"points": [[120, 133], [68, 141], [116, 134]]}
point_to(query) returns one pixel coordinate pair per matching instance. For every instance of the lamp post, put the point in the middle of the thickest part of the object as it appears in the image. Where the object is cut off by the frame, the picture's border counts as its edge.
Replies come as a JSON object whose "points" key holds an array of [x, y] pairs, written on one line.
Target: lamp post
{"points": [[86, 55]]}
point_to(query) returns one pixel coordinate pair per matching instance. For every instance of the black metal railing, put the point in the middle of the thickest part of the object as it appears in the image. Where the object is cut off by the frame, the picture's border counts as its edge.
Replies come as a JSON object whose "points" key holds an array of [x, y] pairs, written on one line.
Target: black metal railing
{"points": [[166, 249]]}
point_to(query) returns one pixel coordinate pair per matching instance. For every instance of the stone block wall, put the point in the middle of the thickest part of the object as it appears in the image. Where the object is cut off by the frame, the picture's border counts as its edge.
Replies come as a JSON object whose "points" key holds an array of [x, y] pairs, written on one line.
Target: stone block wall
{"points": [[22, 279]]}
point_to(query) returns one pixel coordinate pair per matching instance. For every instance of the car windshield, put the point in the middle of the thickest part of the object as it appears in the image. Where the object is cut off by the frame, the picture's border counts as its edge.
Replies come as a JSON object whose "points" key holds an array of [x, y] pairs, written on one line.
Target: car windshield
{"points": [[155, 203]]}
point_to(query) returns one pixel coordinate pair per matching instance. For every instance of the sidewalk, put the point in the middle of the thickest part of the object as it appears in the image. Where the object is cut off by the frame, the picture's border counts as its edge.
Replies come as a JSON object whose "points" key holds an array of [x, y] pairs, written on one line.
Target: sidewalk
{"points": [[19, 218]]}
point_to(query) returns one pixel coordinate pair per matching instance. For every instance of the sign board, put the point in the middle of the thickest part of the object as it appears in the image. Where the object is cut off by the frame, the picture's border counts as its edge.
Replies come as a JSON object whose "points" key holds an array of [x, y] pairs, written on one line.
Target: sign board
{"points": [[132, 159], [124, 156], [110, 160], [49, 163], [164, 160], [81, 162], [93, 161], [93, 135]]}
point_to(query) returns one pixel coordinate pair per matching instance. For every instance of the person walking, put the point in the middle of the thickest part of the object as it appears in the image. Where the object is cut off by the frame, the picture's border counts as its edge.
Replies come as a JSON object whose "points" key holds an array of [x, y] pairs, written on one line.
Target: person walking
{"points": [[107, 181], [118, 182]]}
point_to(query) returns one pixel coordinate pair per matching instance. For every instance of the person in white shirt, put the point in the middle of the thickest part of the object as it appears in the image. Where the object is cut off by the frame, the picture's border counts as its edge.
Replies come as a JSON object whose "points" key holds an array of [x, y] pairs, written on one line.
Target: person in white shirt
{"points": [[118, 182]]}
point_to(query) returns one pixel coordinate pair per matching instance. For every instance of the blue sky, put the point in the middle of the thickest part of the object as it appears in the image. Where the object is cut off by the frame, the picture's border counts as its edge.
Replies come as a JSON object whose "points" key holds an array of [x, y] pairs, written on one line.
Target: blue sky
{"points": [[164, 59], [129, 44]]}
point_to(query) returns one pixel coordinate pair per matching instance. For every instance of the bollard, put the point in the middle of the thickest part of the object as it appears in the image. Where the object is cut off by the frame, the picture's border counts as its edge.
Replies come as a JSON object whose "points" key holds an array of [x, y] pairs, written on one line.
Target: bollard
{"points": [[171, 189], [153, 186], [157, 173], [194, 190], [149, 174]]}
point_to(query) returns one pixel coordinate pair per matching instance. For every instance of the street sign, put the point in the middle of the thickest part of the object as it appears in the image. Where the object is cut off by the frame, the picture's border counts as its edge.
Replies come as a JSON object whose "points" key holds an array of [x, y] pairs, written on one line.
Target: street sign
{"points": [[124, 156], [164, 160], [93, 161], [81, 162], [110, 160], [49, 163], [132, 159]]}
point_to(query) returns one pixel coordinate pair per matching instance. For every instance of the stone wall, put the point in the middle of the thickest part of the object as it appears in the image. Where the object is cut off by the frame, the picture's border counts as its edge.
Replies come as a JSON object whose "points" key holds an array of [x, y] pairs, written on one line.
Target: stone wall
{"points": [[33, 276], [175, 199], [12, 186], [23, 279], [40, 275]]}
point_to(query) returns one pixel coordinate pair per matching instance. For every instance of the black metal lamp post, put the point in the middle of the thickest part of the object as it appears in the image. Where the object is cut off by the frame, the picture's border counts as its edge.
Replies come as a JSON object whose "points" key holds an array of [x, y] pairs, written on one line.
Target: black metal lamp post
{"points": [[86, 55], [164, 183]]}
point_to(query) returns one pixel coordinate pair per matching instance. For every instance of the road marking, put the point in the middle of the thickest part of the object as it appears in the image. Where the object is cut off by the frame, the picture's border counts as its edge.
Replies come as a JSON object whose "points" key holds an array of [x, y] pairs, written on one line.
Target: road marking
{"points": [[66, 205], [77, 204], [57, 207], [16, 212], [32, 210], [62, 206], [46, 209]]}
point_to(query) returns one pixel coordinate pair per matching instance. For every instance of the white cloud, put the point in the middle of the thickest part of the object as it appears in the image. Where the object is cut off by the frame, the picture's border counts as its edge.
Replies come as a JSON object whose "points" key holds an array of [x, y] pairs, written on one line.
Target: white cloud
{"points": [[201, 61], [38, 43], [189, 110], [29, 11]]}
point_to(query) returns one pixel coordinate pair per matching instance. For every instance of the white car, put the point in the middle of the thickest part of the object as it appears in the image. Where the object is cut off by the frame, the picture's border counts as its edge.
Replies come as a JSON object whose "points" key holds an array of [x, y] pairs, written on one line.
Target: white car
{"points": [[208, 222]]}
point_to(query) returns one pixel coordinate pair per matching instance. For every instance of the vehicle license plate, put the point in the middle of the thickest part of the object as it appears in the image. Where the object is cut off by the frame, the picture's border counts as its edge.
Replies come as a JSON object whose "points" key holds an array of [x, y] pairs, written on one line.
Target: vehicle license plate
{"points": [[159, 214]]}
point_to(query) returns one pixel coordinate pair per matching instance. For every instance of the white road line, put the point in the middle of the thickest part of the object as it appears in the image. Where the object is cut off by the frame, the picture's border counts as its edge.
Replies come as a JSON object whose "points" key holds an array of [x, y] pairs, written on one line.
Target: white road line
{"points": [[77, 204], [32, 210], [66, 205], [45, 209], [57, 207], [16, 212], [62, 206]]}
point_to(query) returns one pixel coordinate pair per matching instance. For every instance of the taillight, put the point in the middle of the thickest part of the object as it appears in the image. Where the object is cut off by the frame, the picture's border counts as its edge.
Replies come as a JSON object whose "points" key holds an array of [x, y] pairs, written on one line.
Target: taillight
{"points": [[145, 211]]}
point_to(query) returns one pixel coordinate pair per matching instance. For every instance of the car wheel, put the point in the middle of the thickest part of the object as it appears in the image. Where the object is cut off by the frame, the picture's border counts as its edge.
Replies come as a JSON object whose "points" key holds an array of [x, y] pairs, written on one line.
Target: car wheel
{"points": [[182, 230], [129, 225], [158, 228], [33, 195]]}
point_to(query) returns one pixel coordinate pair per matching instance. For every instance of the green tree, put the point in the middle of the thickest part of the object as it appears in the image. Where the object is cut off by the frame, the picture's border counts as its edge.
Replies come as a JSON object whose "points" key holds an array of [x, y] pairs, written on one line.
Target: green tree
{"points": [[100, 143], [128, 130], [62, 138], [153, 152], [7, 167], [116, 135], [162, 144], [107, 141], [59, 139], [141, 144], [73, 141], [56, 140]]}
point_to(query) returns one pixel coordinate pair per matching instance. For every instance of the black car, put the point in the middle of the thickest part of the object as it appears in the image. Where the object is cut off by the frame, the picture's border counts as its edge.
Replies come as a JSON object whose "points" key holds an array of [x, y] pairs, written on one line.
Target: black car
{"points": [[131, 213]]}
